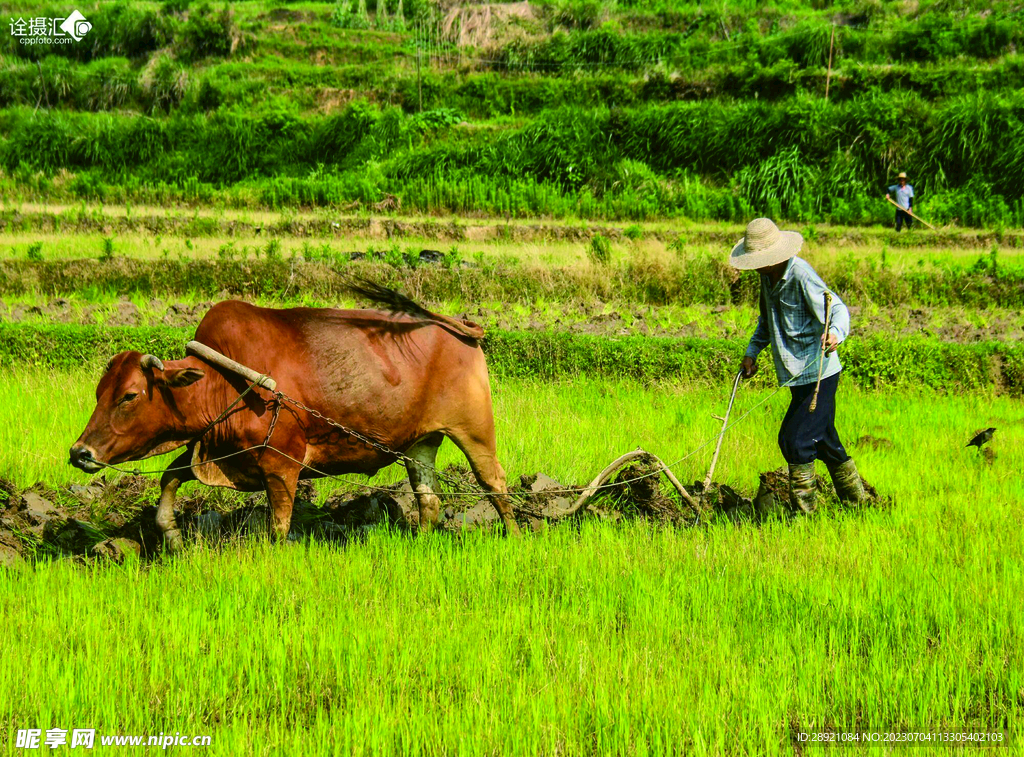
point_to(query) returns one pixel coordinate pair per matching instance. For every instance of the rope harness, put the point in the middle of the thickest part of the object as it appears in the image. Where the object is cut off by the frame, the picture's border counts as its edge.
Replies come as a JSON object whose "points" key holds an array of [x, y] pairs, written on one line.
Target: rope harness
{"points": [[264, 381]]}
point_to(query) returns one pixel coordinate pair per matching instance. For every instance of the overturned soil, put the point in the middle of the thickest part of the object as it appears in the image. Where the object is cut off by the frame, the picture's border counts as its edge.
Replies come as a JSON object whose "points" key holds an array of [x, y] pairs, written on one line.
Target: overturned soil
{"points": [[115, 520]]}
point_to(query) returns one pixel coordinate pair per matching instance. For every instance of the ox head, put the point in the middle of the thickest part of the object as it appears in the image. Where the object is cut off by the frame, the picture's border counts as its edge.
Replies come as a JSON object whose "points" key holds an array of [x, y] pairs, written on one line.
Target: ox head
{"points": [[139, 412]]}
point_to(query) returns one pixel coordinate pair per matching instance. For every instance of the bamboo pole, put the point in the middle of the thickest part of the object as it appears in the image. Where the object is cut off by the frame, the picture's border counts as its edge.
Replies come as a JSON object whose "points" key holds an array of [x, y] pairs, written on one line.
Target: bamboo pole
{"points": [[909, 213], [721, 434], [824, 350], [831, 42]]}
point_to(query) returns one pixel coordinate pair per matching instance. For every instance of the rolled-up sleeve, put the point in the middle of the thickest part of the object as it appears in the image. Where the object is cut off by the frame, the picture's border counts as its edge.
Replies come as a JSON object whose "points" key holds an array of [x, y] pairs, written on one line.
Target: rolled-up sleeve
{"points": [[814, 295], [760, 338]]}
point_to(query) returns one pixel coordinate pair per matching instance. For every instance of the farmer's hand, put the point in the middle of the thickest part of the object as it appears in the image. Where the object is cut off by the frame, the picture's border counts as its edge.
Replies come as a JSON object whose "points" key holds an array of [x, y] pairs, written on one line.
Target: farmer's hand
{"points": [[887, 197], [829, 342], [749, 367]]}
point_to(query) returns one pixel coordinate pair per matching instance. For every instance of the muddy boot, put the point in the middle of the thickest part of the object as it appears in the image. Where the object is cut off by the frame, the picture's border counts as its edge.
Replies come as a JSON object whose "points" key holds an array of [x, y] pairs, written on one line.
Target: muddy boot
{"points": [[803, 489], [847, 481]]}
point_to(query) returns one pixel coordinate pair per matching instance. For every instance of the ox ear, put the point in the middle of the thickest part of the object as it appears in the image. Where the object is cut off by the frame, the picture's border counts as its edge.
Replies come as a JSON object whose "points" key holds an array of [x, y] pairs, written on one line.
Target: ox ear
{"points": [[179, 377]]}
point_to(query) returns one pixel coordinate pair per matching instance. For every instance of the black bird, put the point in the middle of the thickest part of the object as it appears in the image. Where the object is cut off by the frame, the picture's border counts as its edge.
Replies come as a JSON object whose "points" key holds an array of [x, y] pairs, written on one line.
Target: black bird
{"points": [[983, 438]]}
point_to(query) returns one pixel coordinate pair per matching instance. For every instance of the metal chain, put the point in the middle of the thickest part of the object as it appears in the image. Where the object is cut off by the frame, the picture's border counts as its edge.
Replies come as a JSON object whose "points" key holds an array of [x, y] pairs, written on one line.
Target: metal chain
{"points": [[373, 443]]}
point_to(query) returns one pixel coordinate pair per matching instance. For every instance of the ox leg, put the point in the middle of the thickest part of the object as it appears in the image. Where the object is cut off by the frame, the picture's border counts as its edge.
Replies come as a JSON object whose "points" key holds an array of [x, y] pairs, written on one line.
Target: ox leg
{"points": [[423, 479], [175, 476], [281, 495], [479, 449]]}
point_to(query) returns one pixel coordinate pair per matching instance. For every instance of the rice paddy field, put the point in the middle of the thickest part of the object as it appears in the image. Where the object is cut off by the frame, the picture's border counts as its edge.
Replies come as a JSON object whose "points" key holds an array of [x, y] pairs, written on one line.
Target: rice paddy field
{"points": [[597, 638], [591, 637], [571, 175]]}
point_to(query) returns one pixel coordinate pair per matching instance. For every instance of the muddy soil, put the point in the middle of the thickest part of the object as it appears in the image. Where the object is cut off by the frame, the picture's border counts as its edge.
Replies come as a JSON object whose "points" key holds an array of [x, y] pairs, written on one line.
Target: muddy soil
{"points": [[115, 520]]}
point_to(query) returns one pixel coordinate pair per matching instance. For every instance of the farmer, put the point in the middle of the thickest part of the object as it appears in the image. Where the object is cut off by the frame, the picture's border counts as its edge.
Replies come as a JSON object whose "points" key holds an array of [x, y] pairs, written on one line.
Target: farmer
{"points": [[904, 198], [792, 316]]}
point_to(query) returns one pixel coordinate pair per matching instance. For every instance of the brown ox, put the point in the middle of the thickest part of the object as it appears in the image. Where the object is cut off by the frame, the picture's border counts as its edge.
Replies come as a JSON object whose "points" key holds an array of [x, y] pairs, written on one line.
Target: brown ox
{"points": [[404, 380]]}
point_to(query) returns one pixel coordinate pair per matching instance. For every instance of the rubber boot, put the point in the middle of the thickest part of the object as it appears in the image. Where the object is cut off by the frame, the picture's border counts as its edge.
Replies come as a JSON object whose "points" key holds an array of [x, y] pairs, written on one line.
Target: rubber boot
{"points": [[803, 489], [847, 481]]}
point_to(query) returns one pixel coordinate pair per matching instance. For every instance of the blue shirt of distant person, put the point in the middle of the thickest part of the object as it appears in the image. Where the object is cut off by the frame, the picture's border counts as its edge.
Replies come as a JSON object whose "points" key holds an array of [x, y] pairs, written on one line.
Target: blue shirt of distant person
{"points": [[904, 194]]}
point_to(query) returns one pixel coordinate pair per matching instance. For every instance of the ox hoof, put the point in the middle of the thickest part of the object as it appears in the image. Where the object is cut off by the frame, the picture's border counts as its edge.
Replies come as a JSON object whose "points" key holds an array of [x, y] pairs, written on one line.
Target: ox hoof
{"points": [[173, 541]]}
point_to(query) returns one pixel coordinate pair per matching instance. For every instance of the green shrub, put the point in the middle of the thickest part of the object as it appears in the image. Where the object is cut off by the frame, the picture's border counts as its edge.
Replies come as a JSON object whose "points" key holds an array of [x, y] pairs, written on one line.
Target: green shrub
{"points": [[452, 259], [107, 253], [272, 251], [600, 250], [350, 14], [207, 34]]}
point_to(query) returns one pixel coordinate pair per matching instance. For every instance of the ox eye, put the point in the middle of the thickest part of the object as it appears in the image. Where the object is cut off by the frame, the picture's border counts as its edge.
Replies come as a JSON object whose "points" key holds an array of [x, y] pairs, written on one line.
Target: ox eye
{"points": [[127, 398]]}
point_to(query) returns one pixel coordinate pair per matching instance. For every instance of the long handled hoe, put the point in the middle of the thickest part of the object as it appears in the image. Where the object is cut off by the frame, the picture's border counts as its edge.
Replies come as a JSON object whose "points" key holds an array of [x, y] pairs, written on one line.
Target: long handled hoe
{"points": [[916, 218]]}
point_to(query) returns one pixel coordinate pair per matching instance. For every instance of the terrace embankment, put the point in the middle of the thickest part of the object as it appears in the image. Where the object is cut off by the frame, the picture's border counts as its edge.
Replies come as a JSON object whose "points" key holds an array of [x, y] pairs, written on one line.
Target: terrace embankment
{"points": [[325, 225], [879, 361], [983, 282], [613, 319]]}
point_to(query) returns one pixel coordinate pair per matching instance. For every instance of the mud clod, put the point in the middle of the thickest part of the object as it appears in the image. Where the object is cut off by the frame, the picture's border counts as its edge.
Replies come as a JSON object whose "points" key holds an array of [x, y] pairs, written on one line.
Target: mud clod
{"points": [[116, 550], [874, 442], [116, 520], [641, 492], [544, 497]]}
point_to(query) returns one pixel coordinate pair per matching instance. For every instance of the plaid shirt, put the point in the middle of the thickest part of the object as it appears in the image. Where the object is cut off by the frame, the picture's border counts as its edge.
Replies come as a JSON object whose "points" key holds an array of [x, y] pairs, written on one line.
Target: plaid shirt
{"points": [[792, 319]]}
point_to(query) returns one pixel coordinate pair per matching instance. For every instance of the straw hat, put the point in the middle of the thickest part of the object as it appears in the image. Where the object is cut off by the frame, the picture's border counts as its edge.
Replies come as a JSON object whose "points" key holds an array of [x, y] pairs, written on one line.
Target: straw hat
{"points": [[764, 245], [901, 175]]}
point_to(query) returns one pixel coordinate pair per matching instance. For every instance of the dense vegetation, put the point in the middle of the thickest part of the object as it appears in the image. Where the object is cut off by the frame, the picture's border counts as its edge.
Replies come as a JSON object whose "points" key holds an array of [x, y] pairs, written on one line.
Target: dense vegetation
{"points": [[876, 362], [575, 109], [686, 278]]}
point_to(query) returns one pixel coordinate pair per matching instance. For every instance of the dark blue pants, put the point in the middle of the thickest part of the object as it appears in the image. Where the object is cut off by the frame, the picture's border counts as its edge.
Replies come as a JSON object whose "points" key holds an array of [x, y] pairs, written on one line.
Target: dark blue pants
{"points": [[807, 436], [903, 217]]}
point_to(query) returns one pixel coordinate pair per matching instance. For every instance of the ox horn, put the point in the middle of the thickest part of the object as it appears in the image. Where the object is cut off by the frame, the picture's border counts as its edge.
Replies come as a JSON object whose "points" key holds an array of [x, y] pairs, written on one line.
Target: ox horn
{"points": [[151, 361]]}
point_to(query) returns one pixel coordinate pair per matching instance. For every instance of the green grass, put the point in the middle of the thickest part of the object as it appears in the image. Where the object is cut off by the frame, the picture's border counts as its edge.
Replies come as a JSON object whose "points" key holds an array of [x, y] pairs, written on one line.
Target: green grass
{"points": [[571, 429], [602, 641], [598, 640], [873, 361]]}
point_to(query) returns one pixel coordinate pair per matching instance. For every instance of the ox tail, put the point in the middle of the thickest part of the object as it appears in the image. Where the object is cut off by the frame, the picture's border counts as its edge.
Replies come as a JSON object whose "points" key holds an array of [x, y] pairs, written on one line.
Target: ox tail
{"points": [[396, 302]]}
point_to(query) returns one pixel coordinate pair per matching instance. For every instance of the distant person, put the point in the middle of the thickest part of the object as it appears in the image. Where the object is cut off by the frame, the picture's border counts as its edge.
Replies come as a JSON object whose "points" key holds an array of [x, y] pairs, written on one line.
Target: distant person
{"points": [[904, 198], [792, 321]]}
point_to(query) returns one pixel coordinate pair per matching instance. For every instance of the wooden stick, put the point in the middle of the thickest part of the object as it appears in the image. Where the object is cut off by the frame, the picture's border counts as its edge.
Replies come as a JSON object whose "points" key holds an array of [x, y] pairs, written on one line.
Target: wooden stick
{"points": [[721, 434], [831, 41], [909, 213], [200, 349], [824, 348], [604, 475]]}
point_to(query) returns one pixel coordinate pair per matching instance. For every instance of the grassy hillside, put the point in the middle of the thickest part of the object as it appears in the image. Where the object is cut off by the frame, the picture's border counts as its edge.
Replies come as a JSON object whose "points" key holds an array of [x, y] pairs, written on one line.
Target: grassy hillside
{"points": [[570, 109]]}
